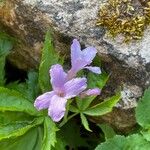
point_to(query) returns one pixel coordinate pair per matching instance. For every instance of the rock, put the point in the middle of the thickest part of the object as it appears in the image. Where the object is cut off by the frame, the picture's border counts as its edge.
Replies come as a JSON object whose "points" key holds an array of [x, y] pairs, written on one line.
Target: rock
{"points": [[129, 64]]}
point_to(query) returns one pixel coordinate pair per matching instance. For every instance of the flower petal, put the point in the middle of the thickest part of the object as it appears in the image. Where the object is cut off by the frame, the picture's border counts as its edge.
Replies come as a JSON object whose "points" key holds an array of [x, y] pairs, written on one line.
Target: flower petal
{"points": [[79, 65], [94, 69], [74, 87], [88, 54], [75, 51], [57, 108], [94, 92], [58, 78], [42, 102]]}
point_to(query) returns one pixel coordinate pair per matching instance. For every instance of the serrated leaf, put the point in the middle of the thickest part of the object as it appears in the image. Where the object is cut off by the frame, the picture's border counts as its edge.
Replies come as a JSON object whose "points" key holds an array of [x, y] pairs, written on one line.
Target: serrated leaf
{"points": [[49, 57], [49, 138], [107, 130], [85, 122], [143, 110], [133, 142], [104, 107], [31, 140], [116, 143], [18, 128], [137, 142], [11, 100], [60, 145]]}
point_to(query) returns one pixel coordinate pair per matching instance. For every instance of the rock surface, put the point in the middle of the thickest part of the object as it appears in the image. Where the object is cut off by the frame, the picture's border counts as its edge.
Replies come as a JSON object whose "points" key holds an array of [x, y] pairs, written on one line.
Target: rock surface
{"points": [[28, 20]]}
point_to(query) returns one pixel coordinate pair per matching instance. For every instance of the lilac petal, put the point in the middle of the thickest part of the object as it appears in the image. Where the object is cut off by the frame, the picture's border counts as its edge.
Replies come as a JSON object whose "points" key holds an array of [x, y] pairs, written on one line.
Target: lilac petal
{"points": [[88, 54], [75, 51], [74, 87], [57, 108], [58, 78], [79, 65], [94, 69], [42, 102], [94, 92]]}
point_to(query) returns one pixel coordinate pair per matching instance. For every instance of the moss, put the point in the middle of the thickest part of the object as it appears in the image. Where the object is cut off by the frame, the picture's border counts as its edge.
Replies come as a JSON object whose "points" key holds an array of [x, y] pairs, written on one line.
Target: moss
{"points": [[126, 17]]}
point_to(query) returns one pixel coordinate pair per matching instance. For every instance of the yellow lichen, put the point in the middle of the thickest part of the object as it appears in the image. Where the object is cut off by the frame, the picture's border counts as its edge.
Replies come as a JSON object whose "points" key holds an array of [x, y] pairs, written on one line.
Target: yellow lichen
{"points": [[126, 17]]}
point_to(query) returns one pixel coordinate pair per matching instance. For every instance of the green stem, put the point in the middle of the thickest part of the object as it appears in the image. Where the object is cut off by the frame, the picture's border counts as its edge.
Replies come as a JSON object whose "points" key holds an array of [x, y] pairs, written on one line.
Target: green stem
{"points": [[66, 120], [67, 109]]}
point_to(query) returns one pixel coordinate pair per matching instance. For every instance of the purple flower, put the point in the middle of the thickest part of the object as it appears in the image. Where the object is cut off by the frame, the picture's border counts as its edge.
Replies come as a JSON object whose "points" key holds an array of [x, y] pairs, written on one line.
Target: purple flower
{"points": [[81, 59], [90, 92], [63, 90]]}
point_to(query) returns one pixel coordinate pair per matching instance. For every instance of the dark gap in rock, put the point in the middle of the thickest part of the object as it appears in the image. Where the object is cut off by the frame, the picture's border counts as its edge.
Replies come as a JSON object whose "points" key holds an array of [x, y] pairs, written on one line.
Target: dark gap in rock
{"points": [[14, 74]]}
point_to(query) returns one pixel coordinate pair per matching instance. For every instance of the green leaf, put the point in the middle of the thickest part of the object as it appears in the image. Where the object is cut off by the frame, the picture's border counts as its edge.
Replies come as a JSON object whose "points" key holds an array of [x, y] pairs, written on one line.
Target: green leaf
{"points": [[20, 87], [11, 100], [133, 142], [60, 145], [70, 135], [104, 107], [73, 109], [29, 89], [32, 85], [116, 143], [146, 134], [84, 103], [107, 130], [49, 57], [31, 140], [97, 61], [18, 128], [2, 71], [94, 80], [85, 122], [143, 110], [8, 117], [137, 142], [97, 80], [5, 46], [49, 139]]}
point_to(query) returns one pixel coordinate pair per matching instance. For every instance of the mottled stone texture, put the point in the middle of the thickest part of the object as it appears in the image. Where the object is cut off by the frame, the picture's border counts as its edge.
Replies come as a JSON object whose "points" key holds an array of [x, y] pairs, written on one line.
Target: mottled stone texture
{"points": [[129, 64]]}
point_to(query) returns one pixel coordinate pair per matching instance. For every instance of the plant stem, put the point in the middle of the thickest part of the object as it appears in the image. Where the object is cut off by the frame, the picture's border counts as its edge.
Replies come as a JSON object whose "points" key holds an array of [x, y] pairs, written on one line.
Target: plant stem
{"points": [[66, 120]]}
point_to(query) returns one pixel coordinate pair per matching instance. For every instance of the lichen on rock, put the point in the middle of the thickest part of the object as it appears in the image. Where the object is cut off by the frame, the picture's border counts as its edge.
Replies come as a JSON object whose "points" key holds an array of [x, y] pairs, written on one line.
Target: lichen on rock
{"points": [[127, 17]]}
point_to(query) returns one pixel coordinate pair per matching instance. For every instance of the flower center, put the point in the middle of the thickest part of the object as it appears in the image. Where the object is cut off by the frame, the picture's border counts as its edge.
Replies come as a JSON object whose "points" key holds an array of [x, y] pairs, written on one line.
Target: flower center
{"points": [[61, 94]]}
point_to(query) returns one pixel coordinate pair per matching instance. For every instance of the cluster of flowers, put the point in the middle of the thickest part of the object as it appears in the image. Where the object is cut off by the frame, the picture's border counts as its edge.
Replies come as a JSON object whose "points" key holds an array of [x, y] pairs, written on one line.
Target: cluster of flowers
{"points": [[66, 85]]}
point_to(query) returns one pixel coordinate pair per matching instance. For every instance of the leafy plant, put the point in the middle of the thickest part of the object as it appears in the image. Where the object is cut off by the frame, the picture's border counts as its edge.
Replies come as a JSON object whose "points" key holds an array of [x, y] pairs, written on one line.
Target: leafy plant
{"points": [[49, 57], [138, 141], [23, 126]]}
